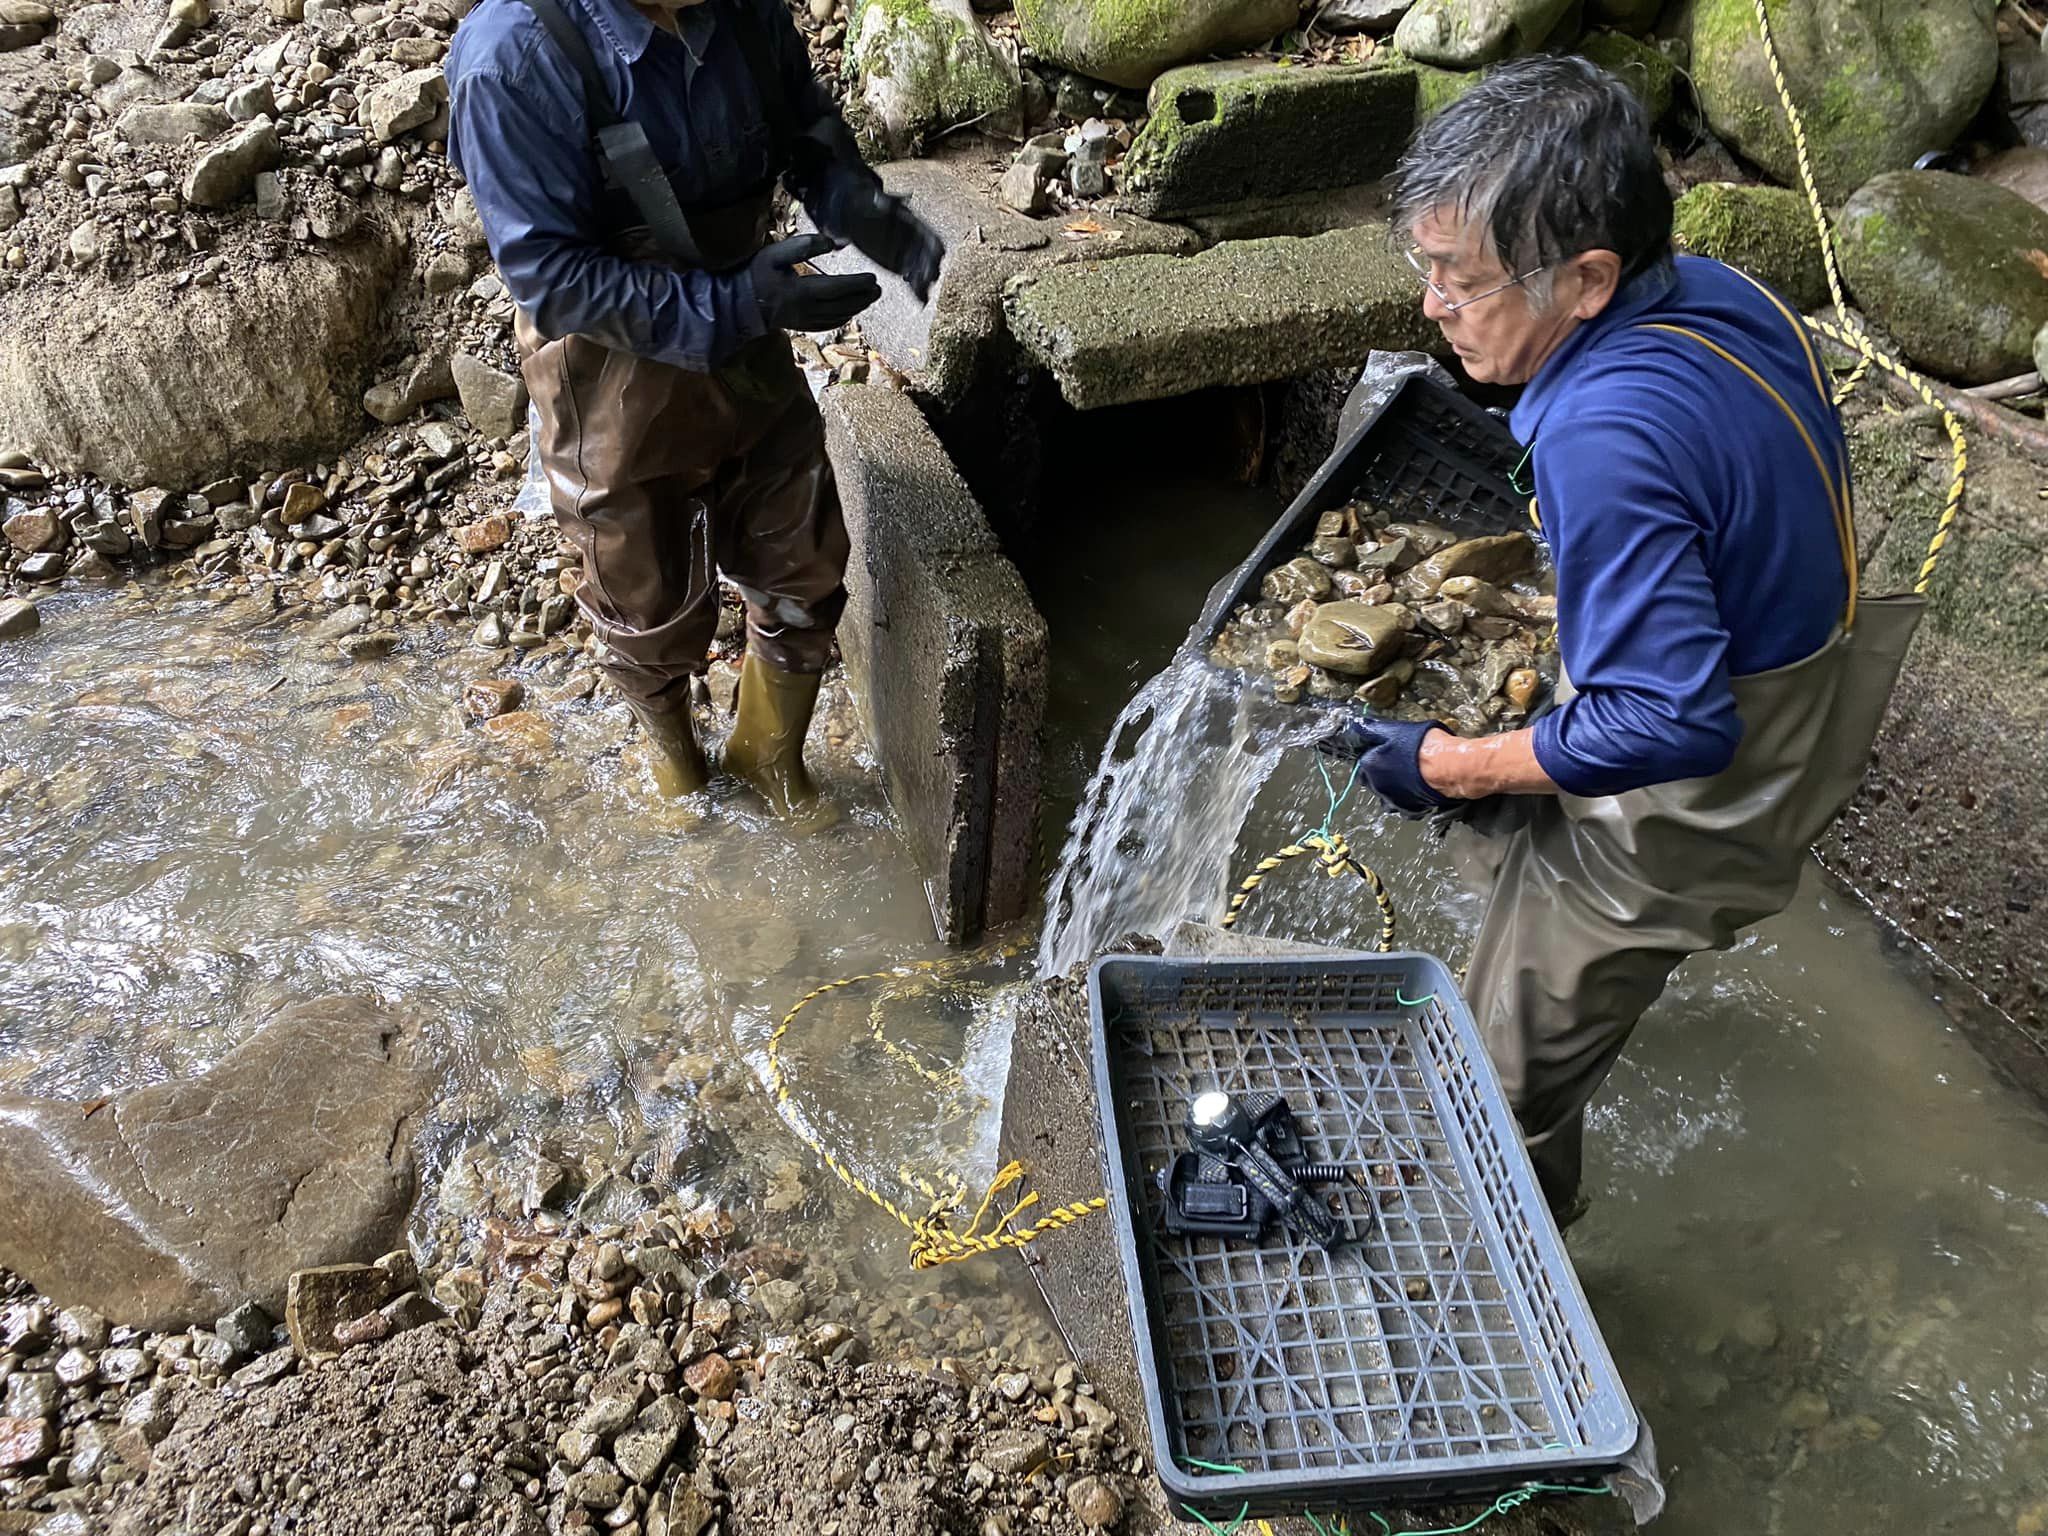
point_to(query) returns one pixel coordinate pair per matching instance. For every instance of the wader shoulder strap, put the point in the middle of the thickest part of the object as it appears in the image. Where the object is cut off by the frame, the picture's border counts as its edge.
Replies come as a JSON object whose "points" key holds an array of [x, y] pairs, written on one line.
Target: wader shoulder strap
{"points": [[756, 47], [622, 147], [1837, 488]]}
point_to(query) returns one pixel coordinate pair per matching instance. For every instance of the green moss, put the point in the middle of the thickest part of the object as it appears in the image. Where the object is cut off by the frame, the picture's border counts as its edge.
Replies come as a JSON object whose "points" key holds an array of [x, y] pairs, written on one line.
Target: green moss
{"points": [[1637, 65], [1766, 231], [1436, 88], [943, 65]]}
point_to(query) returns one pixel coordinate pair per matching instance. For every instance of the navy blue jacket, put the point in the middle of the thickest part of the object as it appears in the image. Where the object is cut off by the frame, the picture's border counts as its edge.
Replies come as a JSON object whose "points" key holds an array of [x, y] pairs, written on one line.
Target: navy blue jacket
{"points": [[520, 136], [1694, 536]]}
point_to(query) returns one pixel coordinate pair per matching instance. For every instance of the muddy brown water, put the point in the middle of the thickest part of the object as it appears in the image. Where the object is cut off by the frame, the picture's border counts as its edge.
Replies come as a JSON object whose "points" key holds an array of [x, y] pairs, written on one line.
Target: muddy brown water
{"points": [[1821, 1225]]}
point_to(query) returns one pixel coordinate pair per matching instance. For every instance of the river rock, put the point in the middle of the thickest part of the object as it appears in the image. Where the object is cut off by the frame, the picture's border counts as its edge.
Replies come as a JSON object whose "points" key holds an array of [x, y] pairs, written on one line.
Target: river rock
{"points": [[1354, 638], [18, 617], [143, 383], [25, 1442], [411, 101], [1877, 87], [172, 122], [494, 402], [930, 65], [173, 1202], [324, 1307], [1094, 1503], [1767, 232], [643, 1450], [1496, 560], [1955, 268], [1643, 69], [1129, 42], [1359, 15], [424, 380], [2023, 171], [1464, 34], [1298, 579], [227, 173], [33, 530], [31, 1395]]}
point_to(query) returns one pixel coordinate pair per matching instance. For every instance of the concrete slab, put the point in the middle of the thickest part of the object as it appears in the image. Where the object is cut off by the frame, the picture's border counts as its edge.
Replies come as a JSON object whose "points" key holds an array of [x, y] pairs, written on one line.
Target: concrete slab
{"points": [[944, 343], [947, 655], [1244, 312], [1244, 131]]}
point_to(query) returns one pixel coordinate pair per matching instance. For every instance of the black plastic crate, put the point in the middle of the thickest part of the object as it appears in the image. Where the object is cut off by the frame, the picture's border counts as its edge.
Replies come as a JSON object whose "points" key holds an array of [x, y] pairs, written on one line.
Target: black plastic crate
{"points": [[1450, 1352], [1428, 454]]}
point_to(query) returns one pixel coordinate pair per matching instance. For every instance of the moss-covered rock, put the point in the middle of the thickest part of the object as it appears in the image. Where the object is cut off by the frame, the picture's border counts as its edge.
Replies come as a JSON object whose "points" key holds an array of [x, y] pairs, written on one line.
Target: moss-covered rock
{"points": [[1878, 83], [1637, 65], [1766, 231], [1953, 267], [1463, 34], [1436, 88], [1130, 42], [922, 65]]}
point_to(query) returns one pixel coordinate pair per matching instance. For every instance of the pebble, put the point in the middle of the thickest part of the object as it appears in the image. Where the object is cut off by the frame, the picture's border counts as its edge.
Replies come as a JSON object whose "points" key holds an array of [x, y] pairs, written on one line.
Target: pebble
{"points": [[30, 1395], [490, 634], [246, 1330], [75, 1367], [713, 1378], [120, 1366], [18, 617], [1095, 1504], [25, 1442], [83, 1328], [1805, 1409], [1014, 1387]]}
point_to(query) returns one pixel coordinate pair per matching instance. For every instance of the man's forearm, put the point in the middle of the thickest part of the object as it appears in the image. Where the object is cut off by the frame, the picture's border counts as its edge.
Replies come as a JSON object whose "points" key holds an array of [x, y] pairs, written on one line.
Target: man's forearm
{"points": [[1470, 769]]}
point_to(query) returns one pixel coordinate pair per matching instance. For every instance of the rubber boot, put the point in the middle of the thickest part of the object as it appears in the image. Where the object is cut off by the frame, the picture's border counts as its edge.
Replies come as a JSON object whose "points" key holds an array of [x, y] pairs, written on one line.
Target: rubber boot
{"points": [[677, 759], [766, 748]]}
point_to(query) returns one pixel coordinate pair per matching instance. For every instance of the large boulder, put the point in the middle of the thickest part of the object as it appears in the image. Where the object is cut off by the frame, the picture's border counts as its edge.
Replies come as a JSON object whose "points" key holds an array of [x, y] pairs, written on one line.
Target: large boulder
{"points": [[1877, 84], [1129, 42], [151, 384], [925, 65], [174, 1203], [2023, 170], [1955, 268], [1766, 231], [1463, 34], [1643, 69]]}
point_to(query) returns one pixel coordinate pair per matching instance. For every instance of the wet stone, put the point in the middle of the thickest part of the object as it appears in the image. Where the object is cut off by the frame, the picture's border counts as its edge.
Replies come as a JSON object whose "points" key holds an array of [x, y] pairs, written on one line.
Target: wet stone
{"points": [[119, 1366], [75, 1367], [1016, 1452], [643, 1450], [246, 1330], [1094, 1503], [25, 1442], [31, 1395], [712, 1378], [1297, 579], [1354, 638]]}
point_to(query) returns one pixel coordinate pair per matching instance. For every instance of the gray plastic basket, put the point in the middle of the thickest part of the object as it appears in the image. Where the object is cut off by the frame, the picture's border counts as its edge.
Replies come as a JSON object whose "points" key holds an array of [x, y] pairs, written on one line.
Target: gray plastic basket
{"points": [[1448, 1354]]}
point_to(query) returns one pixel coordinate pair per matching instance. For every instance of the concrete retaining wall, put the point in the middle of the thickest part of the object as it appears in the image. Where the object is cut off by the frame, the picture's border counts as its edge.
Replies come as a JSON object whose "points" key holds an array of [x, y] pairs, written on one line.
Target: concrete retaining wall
{"points": [[948, 657]]}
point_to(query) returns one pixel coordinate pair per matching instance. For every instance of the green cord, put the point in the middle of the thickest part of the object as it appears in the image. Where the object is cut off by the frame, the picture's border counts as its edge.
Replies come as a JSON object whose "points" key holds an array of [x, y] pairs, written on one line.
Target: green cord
{"points": [[1220, 1530], [1325, 831], [1209, 1466], [1413, 1002], [1513, 1499]]}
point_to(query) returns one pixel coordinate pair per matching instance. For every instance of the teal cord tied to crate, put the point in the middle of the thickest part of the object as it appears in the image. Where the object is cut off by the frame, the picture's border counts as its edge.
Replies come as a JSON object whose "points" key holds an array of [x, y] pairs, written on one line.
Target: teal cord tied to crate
{"points": [[1513, 1499]]}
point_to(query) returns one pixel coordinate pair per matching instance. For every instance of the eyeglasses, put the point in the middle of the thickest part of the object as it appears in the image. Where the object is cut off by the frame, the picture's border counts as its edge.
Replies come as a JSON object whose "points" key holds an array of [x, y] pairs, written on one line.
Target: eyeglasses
{"points": [[1421, 264]]}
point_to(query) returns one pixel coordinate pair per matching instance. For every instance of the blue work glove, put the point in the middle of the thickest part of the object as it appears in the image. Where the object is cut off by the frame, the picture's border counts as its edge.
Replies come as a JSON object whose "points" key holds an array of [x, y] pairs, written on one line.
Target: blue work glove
{"points": [[1389, 758]]}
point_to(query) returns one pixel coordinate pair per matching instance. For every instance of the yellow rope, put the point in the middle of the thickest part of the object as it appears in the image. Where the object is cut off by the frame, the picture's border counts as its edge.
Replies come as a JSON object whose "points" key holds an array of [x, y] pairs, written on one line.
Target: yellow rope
{"points": [[1334, 857], [933, 1238], [1852, 336]]}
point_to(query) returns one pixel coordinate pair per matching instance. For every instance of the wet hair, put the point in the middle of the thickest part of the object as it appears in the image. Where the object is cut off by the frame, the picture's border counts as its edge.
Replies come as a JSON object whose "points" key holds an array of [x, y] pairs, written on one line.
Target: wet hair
{"points": [[1551, 156]]}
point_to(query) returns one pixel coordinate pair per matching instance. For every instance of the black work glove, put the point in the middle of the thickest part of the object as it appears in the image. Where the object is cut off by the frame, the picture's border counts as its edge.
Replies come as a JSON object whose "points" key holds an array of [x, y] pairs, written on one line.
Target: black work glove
{"points": [[1389, 758], [797, 301], [844, 198]]}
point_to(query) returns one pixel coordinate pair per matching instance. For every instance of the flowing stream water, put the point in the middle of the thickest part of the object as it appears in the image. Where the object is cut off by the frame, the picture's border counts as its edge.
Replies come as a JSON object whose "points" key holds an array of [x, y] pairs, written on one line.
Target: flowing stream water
{"points": [[1818, 1246], [1820, 1226]]}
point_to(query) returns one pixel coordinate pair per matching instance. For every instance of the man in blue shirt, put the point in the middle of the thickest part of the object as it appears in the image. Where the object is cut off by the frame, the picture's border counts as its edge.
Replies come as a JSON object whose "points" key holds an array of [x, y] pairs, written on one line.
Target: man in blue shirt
{"points": [[623, 158], [1723, 679]]}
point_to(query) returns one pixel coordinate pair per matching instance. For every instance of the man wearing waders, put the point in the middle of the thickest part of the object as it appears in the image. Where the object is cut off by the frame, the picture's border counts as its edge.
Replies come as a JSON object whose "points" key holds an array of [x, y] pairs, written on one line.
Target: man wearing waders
{"points": [[623, 158], [1722, 680]]}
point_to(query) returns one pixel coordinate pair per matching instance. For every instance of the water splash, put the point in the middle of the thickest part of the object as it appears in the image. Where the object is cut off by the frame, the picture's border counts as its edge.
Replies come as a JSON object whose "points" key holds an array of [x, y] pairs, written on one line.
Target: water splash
{"points": [[1154, 839]]}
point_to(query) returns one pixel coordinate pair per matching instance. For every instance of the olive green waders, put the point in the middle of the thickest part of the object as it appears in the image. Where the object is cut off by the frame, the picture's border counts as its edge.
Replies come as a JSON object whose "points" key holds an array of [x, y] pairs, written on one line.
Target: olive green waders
{"points": [[1594, 902]]}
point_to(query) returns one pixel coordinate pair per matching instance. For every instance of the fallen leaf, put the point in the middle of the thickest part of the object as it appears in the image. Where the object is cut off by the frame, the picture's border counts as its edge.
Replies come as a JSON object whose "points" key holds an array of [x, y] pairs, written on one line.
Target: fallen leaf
{"points": [[1084, 225], [2040, 260], [94, 1106]]}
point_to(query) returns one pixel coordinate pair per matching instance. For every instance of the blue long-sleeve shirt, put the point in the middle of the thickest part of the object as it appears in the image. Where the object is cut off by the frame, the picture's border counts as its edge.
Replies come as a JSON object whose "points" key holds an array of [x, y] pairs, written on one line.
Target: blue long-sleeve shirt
{"points": [[1694, 537], [520, 135]]}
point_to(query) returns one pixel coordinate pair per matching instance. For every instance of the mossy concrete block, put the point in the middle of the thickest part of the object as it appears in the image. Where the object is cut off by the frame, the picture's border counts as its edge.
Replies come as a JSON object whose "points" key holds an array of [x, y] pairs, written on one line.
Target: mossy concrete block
{"points": [[1765, 231], [1954, 267], [947, 656], [1129, 42], [1643, 69], [1436, 88], [945, 342], [1248, 131], [1878, 84], [1240, 313]]}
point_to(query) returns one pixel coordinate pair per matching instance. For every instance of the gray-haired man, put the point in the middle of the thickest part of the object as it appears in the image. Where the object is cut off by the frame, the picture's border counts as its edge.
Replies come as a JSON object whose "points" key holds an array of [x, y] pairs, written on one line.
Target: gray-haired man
{"points": [[1722, 680]]}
